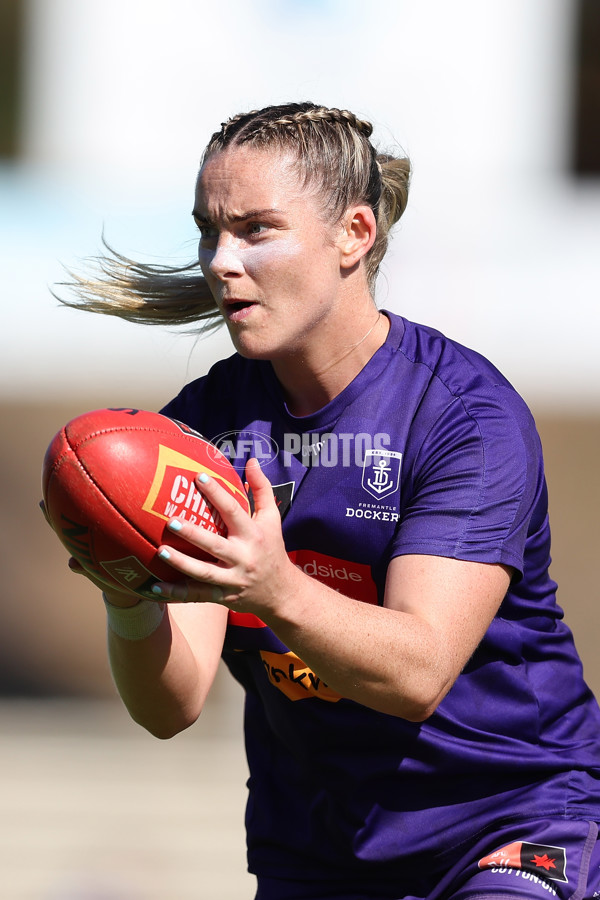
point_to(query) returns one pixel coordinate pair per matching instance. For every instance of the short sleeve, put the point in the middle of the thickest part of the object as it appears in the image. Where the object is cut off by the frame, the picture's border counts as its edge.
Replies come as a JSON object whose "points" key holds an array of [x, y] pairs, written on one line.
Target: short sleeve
{"points": [[474, 483]]}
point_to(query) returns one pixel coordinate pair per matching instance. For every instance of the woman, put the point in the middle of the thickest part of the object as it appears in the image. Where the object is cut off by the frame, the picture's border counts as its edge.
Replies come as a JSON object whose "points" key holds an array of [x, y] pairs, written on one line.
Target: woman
{"points": [[417, 724]]}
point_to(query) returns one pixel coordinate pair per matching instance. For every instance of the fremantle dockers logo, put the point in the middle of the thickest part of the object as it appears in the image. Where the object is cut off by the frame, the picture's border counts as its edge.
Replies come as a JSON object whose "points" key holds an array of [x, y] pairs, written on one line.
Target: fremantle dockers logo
{"points": [[381, 472]]}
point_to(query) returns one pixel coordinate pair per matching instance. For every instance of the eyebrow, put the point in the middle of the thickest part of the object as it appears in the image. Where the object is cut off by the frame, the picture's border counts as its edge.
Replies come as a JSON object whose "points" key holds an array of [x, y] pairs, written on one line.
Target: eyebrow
{"points": [[251, 214]]}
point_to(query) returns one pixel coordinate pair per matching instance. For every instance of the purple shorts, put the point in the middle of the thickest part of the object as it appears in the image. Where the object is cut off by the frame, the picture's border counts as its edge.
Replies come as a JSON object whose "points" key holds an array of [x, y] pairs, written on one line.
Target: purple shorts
{"points": [[539, 859]]}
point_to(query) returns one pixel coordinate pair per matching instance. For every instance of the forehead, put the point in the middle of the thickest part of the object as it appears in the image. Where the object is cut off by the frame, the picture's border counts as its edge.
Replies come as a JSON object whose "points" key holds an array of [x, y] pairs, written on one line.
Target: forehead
{"points": [[237, 179]]}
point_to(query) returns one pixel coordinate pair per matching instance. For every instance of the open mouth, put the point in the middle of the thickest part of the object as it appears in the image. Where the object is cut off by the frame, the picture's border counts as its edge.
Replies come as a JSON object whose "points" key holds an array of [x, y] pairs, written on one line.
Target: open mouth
{"points": [[237, 310], [237, 305]]}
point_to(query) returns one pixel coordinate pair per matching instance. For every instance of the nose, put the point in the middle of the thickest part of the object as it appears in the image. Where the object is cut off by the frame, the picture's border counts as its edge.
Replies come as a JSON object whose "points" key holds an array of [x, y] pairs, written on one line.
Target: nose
{"points": [[226, 261]]}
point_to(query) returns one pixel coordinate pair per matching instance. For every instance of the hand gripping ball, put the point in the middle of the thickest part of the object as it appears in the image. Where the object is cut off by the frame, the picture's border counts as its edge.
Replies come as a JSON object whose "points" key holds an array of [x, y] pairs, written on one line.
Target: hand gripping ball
{"points": [[111, 481]]}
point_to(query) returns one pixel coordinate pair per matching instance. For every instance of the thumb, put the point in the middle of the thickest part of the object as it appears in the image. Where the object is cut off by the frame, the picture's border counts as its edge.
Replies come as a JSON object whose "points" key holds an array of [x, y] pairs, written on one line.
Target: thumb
{"points": [[42, 506], [75, 566]]}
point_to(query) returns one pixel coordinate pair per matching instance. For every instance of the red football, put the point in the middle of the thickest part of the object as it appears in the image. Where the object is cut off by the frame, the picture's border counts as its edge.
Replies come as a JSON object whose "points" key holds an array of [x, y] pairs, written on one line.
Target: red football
{"points": [[113, 478]]}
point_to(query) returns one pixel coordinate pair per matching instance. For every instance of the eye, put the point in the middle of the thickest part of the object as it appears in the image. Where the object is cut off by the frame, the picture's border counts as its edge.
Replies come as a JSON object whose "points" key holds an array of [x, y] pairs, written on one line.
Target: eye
{"points": [[257, 228], [207, 232]]}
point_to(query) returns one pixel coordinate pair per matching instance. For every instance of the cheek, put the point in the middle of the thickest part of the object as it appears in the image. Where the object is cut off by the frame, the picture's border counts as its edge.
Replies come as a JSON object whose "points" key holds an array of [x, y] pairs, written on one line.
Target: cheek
{"points": [[205, 258], [254, 259], [270, 256]]}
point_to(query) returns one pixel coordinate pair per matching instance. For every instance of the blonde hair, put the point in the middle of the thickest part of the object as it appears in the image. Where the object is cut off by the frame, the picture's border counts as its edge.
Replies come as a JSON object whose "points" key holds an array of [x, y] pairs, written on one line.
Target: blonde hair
{"points": [[334, 155]]}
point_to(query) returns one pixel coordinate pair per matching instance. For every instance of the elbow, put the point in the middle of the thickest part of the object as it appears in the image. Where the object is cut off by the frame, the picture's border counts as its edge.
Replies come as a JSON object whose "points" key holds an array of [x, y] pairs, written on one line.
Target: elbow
{"points": [[412, 709], [164, 732], [428, 692], [419, 712], [167, 727], [421, 704]]}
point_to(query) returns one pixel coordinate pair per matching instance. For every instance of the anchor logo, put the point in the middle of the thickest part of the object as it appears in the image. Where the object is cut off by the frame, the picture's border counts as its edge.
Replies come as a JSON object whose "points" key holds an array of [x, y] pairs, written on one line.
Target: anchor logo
{"points": [[381, 472]]}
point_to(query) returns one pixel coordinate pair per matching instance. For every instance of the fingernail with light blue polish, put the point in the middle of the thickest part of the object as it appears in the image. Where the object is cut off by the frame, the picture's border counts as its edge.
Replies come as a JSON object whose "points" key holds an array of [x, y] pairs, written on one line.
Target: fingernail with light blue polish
{"points": [[175, 525], [203, 477], [164, 554], [156, 589]]}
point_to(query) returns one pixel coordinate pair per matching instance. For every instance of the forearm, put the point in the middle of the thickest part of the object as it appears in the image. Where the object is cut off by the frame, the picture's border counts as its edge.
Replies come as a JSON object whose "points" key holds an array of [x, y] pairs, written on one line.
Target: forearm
{"points": [[161, 681], [400, 658], [385, 659]]}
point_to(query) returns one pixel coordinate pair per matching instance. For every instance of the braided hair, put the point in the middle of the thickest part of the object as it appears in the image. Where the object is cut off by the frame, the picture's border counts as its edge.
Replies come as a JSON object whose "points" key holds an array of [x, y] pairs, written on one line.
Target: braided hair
{"points": [[332, 153]]}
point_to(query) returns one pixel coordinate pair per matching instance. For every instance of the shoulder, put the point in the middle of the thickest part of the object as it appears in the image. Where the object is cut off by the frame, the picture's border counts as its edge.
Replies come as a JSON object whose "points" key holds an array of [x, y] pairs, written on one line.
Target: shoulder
{"points": [[473, 465], [452, 374], [463, 410], [459, 368]]}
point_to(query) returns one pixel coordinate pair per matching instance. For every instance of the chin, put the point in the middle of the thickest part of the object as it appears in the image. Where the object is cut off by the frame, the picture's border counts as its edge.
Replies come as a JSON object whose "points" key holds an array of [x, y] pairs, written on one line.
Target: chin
{"points": [[251, 349]]}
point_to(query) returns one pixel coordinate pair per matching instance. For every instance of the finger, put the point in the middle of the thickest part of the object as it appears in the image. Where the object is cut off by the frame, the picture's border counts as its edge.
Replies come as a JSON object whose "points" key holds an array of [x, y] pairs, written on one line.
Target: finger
{"points": [[214, 545], [123, 597], [198, 569], [234, 517], [261, 487], [188, 592], [42, 506]]}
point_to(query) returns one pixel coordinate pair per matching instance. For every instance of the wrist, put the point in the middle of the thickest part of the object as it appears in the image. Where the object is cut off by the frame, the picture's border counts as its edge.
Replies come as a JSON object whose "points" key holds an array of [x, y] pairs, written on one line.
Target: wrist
{"points": [[281, 604], [120, 600], [134, 623]]}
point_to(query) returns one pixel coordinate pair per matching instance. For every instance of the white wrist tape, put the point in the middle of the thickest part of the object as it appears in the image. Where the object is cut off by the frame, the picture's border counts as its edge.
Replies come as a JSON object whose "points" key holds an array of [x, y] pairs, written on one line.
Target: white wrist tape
{"points": [[134, 623]]}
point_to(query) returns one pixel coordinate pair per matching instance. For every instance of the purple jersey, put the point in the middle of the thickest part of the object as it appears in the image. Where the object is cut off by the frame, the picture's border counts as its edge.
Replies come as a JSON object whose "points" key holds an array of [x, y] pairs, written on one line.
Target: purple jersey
{"points": [[431, 451]]}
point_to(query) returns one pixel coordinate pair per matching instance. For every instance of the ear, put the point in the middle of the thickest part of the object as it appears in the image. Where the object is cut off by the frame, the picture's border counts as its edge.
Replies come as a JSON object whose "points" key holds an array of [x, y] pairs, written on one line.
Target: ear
{"points": [[359, 229]]}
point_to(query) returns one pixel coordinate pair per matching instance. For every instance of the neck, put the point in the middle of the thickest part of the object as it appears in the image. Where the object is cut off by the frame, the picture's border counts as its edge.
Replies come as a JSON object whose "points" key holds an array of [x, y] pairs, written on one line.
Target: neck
{"points": [[310, 384]]}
